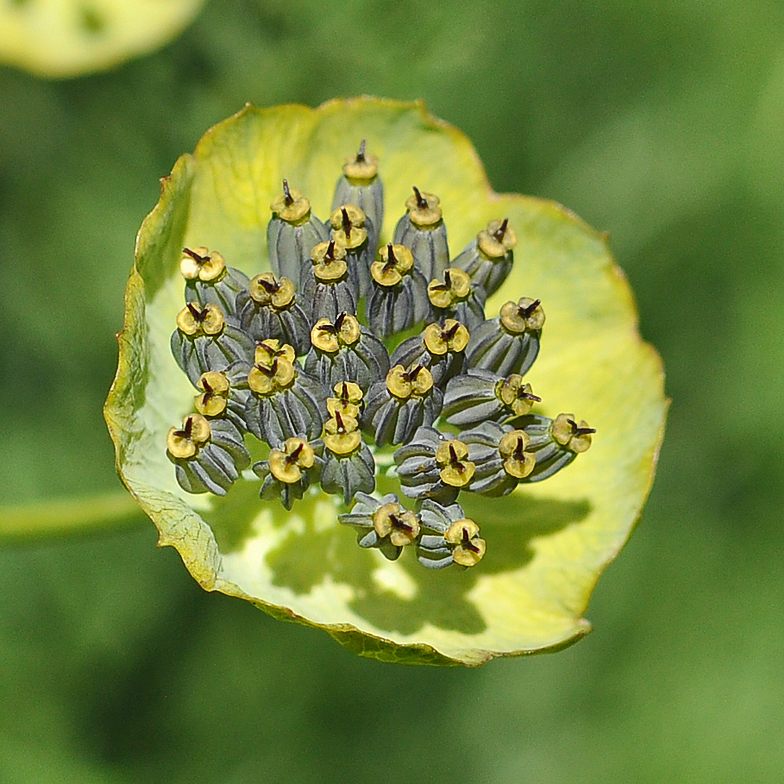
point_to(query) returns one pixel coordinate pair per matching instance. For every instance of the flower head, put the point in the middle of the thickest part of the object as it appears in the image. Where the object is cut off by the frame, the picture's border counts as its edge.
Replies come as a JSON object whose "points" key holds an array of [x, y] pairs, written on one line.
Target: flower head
{"points": [[349, 354], [457, 351]]}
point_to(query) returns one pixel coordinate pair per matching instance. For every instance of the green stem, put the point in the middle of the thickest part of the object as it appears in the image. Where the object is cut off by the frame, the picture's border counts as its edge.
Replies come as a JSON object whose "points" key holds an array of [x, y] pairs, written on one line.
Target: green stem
{"points": [[66, 516]]}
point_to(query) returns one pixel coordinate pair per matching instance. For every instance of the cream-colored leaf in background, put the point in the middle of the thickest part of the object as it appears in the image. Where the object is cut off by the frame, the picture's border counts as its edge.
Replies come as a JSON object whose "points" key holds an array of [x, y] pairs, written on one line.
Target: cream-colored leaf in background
{"points": [[63, 38]]}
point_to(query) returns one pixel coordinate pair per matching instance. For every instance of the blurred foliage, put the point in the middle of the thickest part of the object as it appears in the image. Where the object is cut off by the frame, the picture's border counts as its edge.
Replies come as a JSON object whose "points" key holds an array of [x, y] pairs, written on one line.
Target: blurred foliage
{"points": [[660, 122], [61, 38]]}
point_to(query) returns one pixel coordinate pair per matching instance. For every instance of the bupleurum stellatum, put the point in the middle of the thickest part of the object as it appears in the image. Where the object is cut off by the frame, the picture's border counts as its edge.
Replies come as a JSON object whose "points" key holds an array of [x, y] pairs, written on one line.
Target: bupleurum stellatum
{"points": [[348, 360]]}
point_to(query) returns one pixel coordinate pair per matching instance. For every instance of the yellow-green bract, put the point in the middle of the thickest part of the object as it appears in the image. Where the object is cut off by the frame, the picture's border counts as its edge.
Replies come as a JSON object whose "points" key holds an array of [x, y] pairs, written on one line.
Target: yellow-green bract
{"points": [[549, 542]]}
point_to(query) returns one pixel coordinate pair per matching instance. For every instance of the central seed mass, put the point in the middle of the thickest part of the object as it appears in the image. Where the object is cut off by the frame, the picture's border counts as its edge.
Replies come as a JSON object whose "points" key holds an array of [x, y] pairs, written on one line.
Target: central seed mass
{"points": [[311, 359]]}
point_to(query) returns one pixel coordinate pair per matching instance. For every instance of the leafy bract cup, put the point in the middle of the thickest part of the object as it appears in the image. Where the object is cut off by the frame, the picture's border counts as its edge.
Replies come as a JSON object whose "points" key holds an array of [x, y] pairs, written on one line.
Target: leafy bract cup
{"points": [[523, 555]]}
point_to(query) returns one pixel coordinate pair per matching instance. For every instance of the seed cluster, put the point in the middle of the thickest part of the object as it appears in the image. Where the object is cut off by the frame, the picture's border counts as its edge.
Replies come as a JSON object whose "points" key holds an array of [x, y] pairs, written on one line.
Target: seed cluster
{"points": [[317, 360]]}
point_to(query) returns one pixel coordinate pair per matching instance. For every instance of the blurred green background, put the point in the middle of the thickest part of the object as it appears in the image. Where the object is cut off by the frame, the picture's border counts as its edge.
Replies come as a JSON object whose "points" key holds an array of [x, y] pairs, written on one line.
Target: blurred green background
{"points": [[662, 123]]}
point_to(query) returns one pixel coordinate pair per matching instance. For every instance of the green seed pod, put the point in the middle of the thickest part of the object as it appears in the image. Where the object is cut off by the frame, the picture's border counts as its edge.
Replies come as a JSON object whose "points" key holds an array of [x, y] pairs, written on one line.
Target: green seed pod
{"points": [[397, 406], [482, 396], [488, 259], [207, 456], [398, 297], [349, 400], [349, 467], [457, 297], [292, 233], [284, 401], [352, 229], [325, 283], [433, 465], [206, 339], [501, 455], [509, 343], [224, 394], [440, 348], [361, 186], [289, 470], [423, 232], [554, 442], [457, 539], [269, 309], [344, 350], [208, 279], [383, 523]]}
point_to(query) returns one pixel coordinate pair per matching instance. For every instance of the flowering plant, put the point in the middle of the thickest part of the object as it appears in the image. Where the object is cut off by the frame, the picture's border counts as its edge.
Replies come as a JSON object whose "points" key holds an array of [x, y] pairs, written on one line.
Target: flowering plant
{"points": [[346, 386]]}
